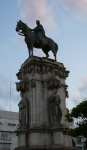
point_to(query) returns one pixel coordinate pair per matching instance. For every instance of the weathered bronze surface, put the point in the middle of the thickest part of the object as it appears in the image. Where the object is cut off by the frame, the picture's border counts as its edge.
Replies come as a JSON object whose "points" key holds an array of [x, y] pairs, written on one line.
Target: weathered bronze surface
{"points": [[36, 38]]}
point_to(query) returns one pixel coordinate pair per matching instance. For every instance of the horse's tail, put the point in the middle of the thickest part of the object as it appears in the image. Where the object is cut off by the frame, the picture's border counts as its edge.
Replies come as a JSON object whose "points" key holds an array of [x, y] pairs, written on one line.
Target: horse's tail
{"points": [[56, 47]]}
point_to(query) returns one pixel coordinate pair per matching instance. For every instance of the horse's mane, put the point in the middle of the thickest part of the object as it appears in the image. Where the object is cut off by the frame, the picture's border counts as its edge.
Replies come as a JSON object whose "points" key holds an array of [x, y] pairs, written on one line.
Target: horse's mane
{"points": [[26, 26]]}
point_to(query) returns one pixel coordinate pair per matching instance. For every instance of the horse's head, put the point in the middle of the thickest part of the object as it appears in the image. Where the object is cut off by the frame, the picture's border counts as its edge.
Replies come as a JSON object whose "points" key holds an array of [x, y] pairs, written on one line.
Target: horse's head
{"points": [[20, 26]]}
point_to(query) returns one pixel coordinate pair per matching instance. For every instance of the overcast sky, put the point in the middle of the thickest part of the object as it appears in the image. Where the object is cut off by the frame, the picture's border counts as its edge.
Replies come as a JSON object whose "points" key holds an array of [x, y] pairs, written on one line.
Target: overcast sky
{"points": [[65, 21]]}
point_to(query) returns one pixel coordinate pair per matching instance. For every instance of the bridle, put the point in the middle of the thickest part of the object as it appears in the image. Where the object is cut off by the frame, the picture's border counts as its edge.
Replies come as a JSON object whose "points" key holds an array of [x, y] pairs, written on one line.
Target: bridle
{"points": [[21, 33]]}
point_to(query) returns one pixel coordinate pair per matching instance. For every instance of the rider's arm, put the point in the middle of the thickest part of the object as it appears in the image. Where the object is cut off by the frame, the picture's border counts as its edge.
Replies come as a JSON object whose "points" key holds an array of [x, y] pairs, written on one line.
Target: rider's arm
{"points": [[33, 29]]}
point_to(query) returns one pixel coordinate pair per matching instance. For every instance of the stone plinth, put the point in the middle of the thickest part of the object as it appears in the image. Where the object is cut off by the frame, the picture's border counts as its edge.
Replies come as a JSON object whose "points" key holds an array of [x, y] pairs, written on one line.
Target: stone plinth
{"points": [[42, 108]]}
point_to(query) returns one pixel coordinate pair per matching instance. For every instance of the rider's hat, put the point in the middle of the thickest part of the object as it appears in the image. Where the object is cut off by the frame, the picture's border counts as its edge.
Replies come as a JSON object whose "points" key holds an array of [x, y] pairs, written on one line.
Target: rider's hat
{"points": [[38, 21]]}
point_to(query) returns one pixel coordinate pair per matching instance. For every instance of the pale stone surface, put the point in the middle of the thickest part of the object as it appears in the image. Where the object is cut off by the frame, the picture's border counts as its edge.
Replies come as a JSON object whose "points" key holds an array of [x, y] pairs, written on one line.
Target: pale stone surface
{"points": [[40, 139], [67, 140], [21, 139], [57, 138], [43, 76]]}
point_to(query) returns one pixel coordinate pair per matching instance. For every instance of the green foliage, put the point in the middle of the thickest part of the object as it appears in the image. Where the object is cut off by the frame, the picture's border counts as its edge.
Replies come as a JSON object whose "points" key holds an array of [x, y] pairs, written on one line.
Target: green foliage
{"points": [[79, 112]]}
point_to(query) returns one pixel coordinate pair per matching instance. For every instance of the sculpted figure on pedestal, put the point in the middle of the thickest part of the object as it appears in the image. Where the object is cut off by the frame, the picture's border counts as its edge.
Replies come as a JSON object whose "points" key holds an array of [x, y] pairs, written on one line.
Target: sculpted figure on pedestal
{"points": [[23, 113], [55, 111], [36, 38]]}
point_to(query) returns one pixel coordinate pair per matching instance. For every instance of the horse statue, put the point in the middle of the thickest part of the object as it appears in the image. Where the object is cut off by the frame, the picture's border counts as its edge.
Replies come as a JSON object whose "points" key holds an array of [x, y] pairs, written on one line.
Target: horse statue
{"points": [[31, 39]]}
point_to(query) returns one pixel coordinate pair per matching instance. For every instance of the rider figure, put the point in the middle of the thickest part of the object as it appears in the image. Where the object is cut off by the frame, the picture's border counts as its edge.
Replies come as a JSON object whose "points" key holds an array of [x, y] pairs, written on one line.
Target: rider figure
{"points": [[38, 29]]}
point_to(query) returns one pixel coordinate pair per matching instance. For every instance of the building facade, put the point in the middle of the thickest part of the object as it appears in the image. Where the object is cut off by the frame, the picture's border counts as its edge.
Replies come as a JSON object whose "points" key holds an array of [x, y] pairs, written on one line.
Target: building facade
{"points": [[78, 140], [9, 122]]}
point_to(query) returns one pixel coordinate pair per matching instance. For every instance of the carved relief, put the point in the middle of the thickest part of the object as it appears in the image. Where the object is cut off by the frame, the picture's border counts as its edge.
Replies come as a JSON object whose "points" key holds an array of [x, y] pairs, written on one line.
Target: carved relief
{"points": [[23, 85], [53, 83], [23, 113], [32, 67], [55, 110]]}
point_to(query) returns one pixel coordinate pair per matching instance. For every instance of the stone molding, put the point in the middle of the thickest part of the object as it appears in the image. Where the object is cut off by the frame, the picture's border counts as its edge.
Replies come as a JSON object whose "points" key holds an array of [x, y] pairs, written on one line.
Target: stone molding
{"points": [[42, 67], [37, 147], [49, 147], [40, 130]]}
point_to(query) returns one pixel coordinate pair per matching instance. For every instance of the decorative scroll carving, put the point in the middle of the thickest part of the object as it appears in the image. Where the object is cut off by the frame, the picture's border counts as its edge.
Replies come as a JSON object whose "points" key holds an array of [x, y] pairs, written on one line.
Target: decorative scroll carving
{"points": [[55, 110], [23, 113], [53, 83], [22, 86]]}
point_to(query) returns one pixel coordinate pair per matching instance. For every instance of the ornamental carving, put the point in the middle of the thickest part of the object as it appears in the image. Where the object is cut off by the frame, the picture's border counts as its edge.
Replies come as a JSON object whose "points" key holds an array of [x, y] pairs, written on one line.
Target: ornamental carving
{"points": [[22, 86], [41, 67], [53, 83], [55, 110], [23, 113]]}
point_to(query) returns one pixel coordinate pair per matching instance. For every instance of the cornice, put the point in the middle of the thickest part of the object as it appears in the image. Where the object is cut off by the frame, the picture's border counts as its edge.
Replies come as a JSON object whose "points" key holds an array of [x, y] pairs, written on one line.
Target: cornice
{"points": [[42, 66]]}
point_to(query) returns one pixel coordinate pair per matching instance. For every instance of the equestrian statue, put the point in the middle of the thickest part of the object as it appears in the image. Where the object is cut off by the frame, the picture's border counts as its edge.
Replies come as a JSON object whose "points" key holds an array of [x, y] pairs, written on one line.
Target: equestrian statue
{"points": [[36, 38]]}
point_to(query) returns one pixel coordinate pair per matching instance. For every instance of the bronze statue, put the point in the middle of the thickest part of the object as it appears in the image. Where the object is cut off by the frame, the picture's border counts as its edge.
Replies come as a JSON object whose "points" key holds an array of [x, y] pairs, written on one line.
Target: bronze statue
{"points": [[36, 38], [55, 111], [39, 30]]}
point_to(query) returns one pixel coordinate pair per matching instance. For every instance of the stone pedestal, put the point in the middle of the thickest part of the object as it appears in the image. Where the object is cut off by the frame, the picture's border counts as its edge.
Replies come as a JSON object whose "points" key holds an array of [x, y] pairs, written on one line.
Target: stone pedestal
{"points": [[42, 107]]}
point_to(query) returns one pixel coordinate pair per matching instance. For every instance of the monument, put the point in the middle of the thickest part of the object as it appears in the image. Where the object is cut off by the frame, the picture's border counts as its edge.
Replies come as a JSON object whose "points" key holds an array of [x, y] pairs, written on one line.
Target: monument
{"points": [[43, 91]]}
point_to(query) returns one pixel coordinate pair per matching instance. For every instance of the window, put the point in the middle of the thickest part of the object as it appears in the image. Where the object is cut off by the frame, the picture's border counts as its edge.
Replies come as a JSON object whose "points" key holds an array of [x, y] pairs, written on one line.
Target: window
{"points": [[6, 136], [79, 148], [11, 124], [4, 146], [79, 140]]}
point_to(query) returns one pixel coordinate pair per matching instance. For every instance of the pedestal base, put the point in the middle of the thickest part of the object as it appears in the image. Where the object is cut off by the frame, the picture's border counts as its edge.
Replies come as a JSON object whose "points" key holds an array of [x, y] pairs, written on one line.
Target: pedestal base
{"points": [[42, 108], [43, 138], [50, 147]]}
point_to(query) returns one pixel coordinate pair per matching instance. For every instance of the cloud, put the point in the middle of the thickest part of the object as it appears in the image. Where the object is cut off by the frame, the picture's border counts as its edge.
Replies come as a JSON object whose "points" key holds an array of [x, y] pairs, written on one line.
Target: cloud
{"points": [[76, 99], [77, 7], [32, 10], [84, 66], [73, 101], [83, 87]]}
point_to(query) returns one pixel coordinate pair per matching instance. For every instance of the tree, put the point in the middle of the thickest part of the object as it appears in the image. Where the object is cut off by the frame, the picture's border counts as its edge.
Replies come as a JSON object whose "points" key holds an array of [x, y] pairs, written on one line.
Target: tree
{"points": [[80, 111]]}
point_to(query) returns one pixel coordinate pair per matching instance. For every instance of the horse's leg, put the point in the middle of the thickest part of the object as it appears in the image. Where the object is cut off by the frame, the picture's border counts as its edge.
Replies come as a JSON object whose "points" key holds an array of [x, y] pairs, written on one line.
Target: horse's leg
{"points": [[28, 49], [31, 49], [47, 55], [55, 57]]}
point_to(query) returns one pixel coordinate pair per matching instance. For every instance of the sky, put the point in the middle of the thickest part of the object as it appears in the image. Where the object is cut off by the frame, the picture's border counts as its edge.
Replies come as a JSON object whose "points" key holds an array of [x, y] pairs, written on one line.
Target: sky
{"points": [[65, 21]]}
